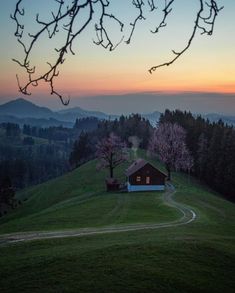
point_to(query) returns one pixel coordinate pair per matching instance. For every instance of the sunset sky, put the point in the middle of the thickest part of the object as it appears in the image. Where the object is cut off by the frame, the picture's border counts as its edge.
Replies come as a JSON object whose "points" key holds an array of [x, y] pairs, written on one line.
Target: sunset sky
{"points": [[209, 65]]}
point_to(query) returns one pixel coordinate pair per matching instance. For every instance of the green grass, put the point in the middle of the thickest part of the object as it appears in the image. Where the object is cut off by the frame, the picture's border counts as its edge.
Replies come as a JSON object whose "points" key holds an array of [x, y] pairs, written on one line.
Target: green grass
{"points": [[18, 141], [199, 257], [79, 200], [37, 140]]}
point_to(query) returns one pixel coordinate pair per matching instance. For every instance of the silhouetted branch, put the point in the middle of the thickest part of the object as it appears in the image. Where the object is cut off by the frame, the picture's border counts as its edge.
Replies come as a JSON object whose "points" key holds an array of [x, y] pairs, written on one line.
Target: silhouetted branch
{"points": [[205, 24], [138, 5], [66, 17], [166, 11]]}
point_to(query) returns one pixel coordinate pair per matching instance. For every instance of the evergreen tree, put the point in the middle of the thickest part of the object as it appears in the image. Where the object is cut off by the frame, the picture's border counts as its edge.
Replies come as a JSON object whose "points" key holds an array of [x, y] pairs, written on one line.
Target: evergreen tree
{"points": [[7, 193], [82, 150]]}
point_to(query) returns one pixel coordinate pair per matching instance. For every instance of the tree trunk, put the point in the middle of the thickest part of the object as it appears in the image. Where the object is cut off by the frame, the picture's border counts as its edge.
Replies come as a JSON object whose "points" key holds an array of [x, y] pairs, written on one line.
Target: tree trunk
{"points": [[111, 172], [168, 173], [111, 166]]}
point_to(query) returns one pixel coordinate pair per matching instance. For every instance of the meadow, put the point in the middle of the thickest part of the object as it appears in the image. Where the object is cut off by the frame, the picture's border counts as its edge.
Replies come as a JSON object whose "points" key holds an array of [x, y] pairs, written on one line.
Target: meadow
{"points": [[198, 257]]}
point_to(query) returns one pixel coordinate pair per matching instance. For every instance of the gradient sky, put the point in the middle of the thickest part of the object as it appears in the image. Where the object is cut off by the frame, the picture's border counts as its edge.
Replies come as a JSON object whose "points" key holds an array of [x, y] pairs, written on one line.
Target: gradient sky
{"points": [[209, 65]]}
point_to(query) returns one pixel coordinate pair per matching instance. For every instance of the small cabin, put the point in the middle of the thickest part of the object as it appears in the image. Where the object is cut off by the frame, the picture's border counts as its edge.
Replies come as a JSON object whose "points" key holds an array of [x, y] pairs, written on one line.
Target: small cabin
{"points": [[142, 176]]}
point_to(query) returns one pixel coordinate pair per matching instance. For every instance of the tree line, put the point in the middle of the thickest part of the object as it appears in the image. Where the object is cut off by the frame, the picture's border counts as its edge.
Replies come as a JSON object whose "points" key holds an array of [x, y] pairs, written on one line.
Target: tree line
{"points": [[132, 129], [212, 146], [32, 155], [205, 149], [181, 140]]}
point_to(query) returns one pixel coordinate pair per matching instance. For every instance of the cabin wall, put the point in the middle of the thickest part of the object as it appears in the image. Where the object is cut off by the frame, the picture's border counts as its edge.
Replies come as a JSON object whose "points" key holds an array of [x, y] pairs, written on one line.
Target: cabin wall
{"points": [[134, 188], [155, 176]]}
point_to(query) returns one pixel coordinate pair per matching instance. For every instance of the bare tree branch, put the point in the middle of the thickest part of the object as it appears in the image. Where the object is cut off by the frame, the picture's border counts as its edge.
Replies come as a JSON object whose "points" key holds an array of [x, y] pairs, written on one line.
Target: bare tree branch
{"points": [[205, 24], [166, 11], [66, 18]]}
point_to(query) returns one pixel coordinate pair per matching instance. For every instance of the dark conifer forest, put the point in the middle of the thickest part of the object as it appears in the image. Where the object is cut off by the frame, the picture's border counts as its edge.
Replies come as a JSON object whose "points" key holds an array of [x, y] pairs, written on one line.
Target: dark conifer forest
{"points": [[31, 155], [212, 146]]}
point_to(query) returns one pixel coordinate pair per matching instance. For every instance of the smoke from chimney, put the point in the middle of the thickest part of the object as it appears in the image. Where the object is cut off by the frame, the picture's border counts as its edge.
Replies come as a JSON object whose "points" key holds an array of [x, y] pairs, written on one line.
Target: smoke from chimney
{"points": [[135, 141]]}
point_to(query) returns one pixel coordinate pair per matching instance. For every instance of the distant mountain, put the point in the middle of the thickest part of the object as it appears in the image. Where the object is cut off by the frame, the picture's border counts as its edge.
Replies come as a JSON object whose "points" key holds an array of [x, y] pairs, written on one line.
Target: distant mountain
{"points": [[38, 122], [23, 109], [152, 117], [214, 117], [77, 112]]}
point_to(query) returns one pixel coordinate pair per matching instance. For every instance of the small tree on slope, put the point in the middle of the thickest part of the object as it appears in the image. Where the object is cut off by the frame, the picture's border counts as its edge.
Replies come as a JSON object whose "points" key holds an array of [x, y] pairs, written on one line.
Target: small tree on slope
{"points": [[168, 143], [111, 152]]}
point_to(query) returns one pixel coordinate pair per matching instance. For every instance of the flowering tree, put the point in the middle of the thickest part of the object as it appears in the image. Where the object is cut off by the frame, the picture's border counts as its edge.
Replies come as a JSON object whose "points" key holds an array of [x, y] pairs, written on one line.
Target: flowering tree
{"points": [[168, 143], [70, 18], [111, 152]]}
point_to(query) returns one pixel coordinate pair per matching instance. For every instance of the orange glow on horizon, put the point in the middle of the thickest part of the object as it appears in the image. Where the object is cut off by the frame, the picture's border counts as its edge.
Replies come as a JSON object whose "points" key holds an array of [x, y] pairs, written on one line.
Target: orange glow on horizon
{"points": [[119, 84]]}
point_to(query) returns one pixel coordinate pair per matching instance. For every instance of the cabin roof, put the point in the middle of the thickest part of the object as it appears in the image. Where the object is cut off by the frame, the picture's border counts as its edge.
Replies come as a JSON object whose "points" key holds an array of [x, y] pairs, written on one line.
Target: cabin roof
{"points": [[137, 165]]}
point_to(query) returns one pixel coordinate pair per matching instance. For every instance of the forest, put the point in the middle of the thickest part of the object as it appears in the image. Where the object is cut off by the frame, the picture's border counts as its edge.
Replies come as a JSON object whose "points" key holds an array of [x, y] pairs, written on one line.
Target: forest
{"points": [[31, 155], [211, 145]]}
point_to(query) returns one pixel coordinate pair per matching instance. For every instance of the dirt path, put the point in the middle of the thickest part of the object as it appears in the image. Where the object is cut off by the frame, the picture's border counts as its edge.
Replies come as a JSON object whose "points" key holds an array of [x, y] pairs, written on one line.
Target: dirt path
{"points": [[188, 216]]}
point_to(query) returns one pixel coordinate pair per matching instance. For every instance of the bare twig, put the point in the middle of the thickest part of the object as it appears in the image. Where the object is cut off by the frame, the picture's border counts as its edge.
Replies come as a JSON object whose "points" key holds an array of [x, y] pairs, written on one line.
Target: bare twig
{"points": [[205, 24], [166, 11], [67, 16]]}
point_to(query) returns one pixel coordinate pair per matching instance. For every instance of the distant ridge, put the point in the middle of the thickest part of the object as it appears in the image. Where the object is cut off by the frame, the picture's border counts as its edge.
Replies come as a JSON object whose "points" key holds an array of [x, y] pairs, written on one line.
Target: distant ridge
{"points": [[21, 111], [77, 112], [38, 122], [22, 108]]}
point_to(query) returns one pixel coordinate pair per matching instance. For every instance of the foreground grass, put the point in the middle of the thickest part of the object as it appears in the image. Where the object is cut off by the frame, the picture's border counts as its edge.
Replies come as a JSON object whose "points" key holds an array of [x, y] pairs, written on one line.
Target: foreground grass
{"points": [[199, 257], [126, 262]]}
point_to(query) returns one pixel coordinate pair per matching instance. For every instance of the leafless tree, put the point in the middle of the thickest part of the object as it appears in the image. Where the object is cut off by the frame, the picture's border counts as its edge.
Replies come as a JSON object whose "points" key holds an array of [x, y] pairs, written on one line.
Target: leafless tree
{"points": [[111, 152], [72, 17]]}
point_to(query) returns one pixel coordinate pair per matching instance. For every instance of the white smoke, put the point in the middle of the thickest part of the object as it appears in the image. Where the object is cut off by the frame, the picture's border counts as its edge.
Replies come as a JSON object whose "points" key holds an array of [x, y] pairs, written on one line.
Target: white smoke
{"points": [[135, 142]]}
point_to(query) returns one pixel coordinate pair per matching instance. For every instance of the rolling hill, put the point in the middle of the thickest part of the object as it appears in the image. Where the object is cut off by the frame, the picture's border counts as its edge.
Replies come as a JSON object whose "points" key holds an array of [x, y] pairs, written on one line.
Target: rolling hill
{"points": [[22, 108], [196, 256], [22, 112]]}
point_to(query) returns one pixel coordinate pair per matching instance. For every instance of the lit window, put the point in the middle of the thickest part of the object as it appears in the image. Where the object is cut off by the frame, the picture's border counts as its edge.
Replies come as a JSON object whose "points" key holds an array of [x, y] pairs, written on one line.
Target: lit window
{"points": [[147, 180], [138, 178]]}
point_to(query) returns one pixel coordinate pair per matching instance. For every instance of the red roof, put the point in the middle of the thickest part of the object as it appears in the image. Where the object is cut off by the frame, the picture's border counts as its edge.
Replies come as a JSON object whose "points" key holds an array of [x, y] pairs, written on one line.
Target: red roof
{"points": [[137, 165]]}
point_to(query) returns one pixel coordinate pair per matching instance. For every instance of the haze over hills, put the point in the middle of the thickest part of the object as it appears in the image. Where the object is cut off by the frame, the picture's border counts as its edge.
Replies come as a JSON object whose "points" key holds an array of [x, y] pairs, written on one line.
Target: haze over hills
{"points": [[146, 102], [22, 108], [71, 114], [21, 111], [38, 122]]}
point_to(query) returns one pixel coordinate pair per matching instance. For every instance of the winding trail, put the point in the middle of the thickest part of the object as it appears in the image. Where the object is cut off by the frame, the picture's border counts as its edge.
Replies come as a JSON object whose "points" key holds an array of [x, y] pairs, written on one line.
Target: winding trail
{"points": [[188, 216]]}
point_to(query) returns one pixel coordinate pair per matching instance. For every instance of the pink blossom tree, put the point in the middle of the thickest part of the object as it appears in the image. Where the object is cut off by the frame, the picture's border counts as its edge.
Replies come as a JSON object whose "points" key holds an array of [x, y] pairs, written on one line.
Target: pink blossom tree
{"points": [[168, 143], [111, 152]]}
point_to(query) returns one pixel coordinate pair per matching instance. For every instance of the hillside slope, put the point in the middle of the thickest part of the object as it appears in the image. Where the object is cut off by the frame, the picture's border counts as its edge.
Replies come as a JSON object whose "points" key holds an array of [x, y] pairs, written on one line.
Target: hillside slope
{"points": [[79, 200], [198, 257]]}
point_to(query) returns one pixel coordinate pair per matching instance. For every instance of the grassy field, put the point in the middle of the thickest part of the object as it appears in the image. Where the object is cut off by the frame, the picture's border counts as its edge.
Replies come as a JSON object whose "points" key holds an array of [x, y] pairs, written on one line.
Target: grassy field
{"points": [[199, 257], [19, 141], [79, 200]]}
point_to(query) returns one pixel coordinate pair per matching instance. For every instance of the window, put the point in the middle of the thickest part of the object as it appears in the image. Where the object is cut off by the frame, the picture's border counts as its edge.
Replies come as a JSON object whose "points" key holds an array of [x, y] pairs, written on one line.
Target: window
{"points": [[147, 180], [138, 178]]}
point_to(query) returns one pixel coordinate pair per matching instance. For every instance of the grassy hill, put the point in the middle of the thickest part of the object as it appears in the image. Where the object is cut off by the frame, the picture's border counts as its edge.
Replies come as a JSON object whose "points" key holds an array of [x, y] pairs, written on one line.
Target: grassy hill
{"points": [[79, 199], [198, 257]]}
